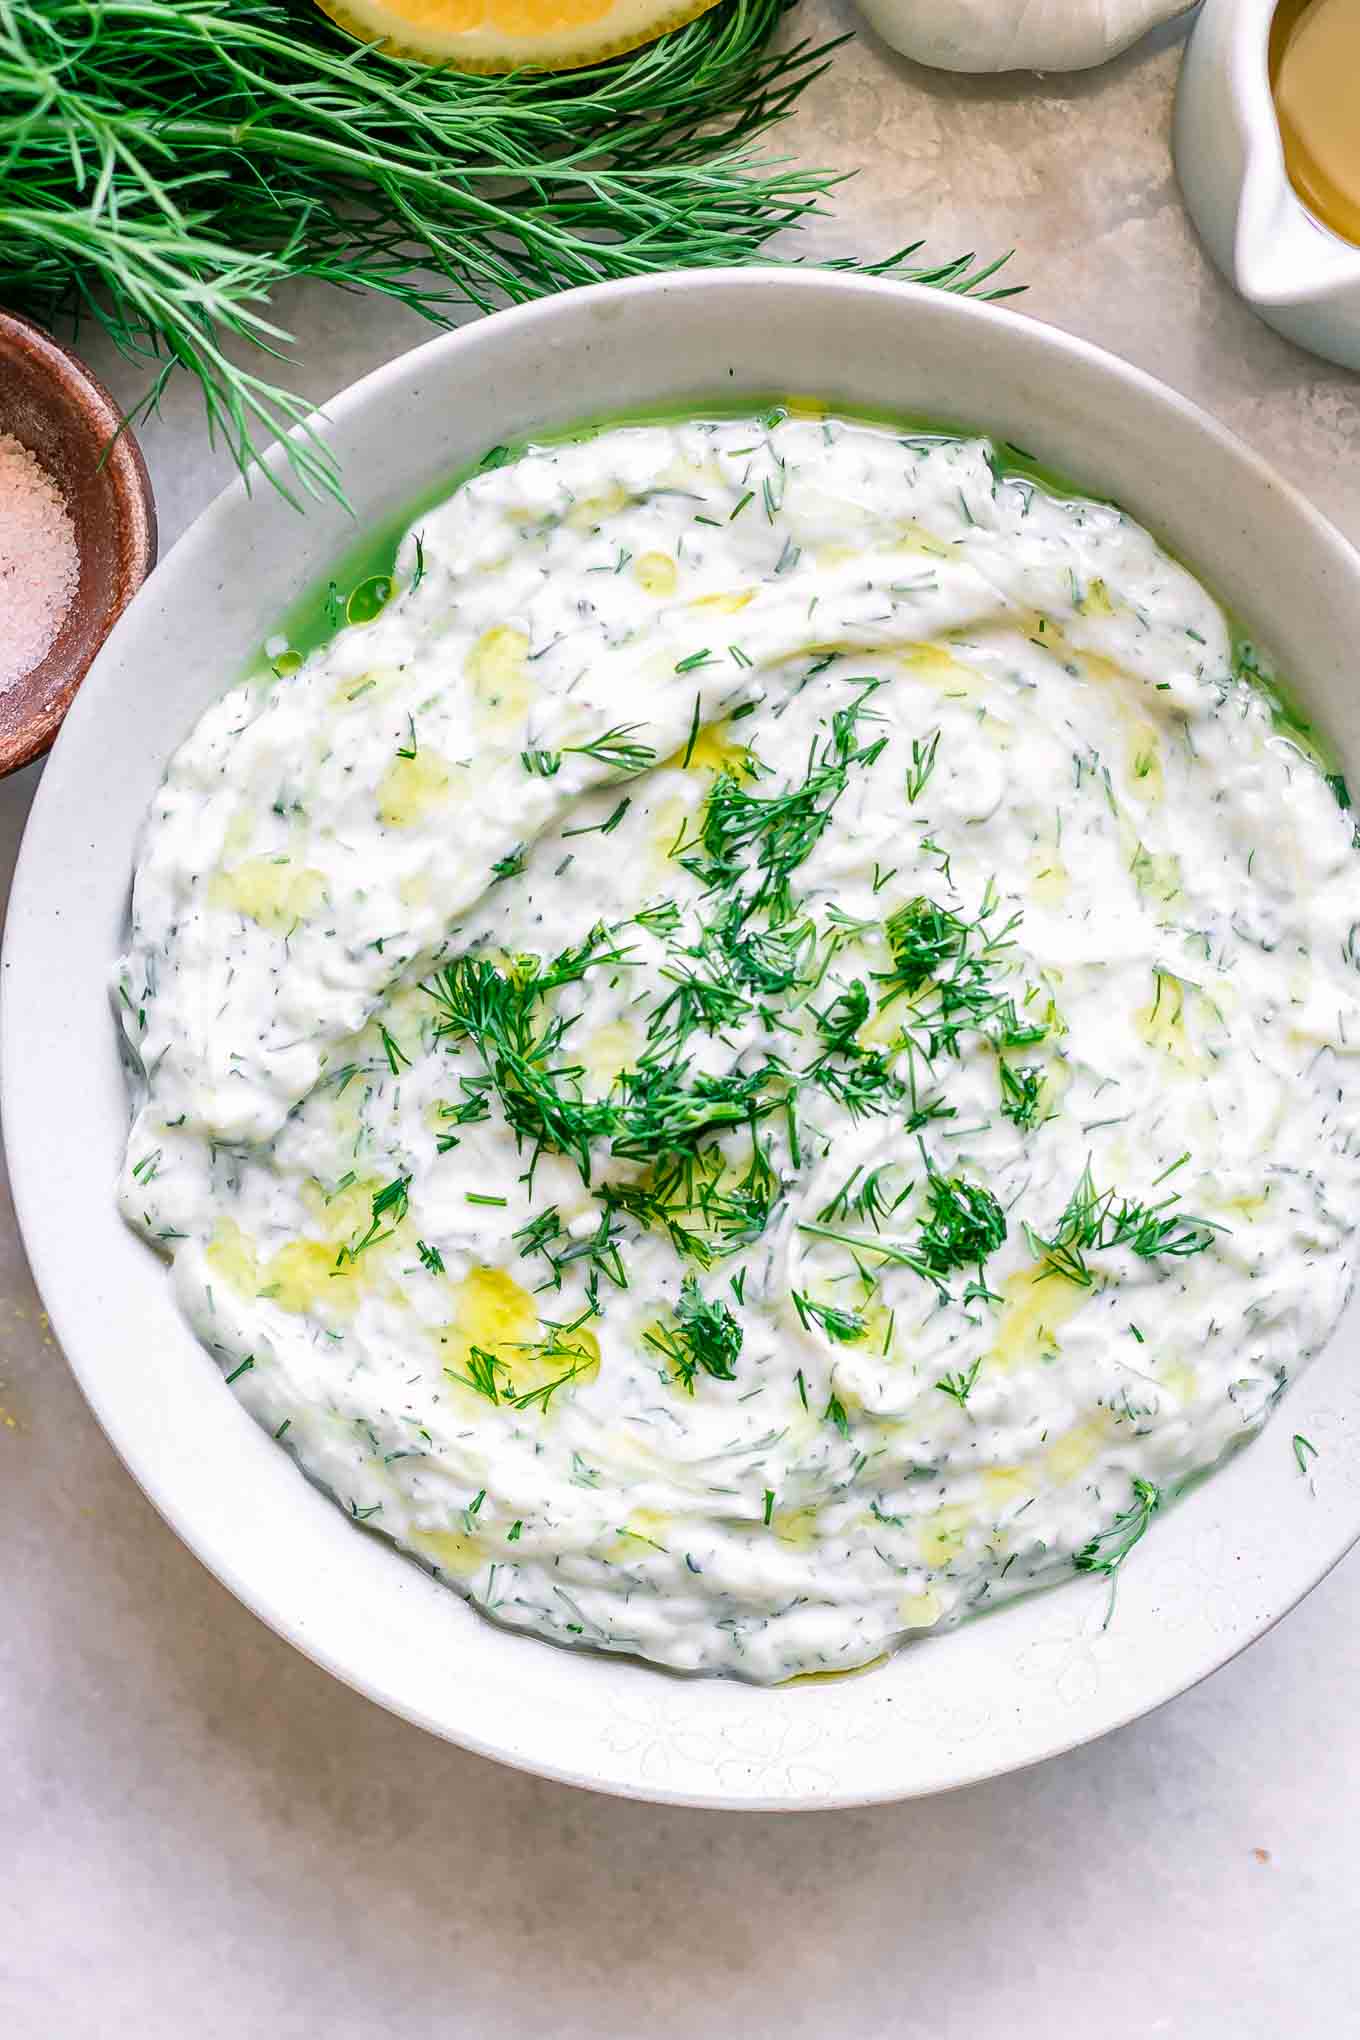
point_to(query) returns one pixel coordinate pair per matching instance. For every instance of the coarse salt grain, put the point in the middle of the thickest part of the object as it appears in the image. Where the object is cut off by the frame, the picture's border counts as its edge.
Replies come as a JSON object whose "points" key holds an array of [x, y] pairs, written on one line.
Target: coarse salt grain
{"points": [[39, 563]]}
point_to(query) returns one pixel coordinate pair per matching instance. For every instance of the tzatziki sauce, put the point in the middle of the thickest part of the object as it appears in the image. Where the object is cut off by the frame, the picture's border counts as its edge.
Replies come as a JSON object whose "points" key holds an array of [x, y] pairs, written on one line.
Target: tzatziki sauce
{"points": [[765, 1058]]}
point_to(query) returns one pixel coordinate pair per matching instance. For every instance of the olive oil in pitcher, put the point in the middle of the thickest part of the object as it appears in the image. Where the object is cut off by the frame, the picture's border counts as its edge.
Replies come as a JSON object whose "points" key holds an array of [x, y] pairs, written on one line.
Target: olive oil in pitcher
{"points": [[1315, 78]]}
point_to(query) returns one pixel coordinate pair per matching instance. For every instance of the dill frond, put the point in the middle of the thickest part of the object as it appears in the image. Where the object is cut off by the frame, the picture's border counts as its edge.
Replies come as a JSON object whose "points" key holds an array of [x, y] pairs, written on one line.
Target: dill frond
{"points": [[165, 165]]}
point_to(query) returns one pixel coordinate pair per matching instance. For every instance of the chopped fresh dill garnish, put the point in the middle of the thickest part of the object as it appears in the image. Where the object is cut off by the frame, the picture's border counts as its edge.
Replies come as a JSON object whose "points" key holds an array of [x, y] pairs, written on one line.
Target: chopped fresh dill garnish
{"points": [[959, 1386], [482, 1370], [890, 1251], [607, 827], [539, 1398], [615, 750], [864, 1199], [509, 866], [492, 1374], [344, 1076], [1304, 1450], [396, 1055], [705, 1337], [922, 764], [778, 831], [390, 1205], [1099, 1221], [834, 1413], [599, 1251], [844, 1326], [964, 1225], [430, 1257], [951, 972], [1107, 1551], [839, 1022], [1021, 1093], [662, 919], [694, 727]]}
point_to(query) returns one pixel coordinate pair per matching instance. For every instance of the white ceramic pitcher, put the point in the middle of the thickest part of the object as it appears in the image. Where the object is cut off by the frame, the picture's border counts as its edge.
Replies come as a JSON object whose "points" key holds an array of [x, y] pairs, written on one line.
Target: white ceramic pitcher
{"points": [[1303, 279]]}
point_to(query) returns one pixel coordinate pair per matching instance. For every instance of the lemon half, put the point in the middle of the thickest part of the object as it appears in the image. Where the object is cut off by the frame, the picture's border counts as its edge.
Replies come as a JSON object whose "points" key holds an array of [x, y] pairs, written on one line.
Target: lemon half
{"points": [[510, 35]]}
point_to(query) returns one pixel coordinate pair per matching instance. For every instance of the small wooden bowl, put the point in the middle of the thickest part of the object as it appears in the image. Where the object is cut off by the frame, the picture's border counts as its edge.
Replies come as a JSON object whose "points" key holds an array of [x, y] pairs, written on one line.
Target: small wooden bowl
{"points": [[52, 405]]}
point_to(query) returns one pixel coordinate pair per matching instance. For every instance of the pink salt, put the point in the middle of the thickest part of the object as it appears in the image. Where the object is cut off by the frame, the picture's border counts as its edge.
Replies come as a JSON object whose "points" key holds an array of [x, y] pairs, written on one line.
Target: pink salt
{"points": [[39, 564]]}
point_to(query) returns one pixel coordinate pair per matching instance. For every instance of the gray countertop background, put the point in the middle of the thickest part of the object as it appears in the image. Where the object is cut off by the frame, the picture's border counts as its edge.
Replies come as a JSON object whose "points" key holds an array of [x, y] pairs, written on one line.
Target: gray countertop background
{"points": [[204, 1837]]}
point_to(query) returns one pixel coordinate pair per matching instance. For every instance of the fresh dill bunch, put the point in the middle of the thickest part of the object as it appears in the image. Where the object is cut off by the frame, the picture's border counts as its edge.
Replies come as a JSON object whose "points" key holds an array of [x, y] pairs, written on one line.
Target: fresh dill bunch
{"points": [[165, 165]]}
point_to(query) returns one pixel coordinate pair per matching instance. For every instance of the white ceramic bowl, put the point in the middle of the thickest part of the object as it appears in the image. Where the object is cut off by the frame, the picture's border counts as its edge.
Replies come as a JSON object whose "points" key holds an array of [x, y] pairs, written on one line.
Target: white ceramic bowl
{"points": [[1034, 1678]]}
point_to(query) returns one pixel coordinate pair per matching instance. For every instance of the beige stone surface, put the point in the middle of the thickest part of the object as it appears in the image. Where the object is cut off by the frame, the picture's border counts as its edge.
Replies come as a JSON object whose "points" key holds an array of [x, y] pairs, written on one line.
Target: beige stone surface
{"points": [[203, 1837]]}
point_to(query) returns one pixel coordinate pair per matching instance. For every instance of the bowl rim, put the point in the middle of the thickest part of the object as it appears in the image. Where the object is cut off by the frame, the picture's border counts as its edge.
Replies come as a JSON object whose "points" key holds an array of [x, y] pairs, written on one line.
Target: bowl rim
{"points": [[43, 1230], [136, 512]]}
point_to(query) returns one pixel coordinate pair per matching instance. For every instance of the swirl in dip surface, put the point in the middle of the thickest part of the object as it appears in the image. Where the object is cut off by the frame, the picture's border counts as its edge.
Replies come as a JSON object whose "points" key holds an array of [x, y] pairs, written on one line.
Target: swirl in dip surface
{"points": [[767, 1057]]}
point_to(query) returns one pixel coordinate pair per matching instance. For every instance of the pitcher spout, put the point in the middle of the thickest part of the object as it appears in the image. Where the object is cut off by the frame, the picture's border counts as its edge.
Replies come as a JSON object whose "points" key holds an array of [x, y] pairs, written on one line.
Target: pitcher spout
{"points": [[1282, 256]]}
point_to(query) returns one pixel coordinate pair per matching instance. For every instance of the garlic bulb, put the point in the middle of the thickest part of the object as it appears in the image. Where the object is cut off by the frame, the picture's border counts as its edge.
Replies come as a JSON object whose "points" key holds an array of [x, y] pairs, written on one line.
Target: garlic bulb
{"points": [[1015, 35]]}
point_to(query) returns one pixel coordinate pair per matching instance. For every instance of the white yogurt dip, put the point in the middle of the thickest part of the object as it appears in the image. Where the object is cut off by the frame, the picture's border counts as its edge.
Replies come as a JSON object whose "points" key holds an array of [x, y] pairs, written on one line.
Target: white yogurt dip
{"points": [[767, 1058]]}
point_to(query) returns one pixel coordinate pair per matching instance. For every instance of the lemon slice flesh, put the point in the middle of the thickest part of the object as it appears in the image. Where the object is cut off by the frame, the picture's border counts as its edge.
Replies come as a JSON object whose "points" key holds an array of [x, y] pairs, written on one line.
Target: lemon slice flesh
{"points": [[511, 35]]}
